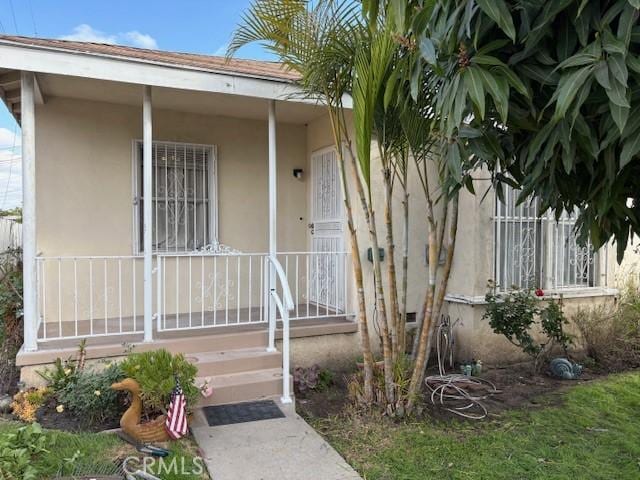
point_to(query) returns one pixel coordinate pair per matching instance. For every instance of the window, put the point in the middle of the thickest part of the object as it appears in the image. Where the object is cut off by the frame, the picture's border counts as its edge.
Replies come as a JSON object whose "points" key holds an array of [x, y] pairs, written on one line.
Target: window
{"points": [[184, 196], [537, 251]]}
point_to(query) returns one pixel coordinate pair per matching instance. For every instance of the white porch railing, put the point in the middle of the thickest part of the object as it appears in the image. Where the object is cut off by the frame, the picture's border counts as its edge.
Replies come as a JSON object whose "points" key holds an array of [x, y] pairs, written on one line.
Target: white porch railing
{"points": [[88, 296]]}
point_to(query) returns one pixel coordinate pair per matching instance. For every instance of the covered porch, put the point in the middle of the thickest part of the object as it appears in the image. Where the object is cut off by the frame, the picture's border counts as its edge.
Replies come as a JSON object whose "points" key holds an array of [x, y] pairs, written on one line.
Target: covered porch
{"points": [[242, 227]]}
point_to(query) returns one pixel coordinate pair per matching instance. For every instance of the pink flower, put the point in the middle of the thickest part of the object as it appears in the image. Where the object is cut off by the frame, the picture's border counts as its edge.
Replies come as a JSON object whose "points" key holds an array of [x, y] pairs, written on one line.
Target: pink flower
{"points": [[539, 292]]}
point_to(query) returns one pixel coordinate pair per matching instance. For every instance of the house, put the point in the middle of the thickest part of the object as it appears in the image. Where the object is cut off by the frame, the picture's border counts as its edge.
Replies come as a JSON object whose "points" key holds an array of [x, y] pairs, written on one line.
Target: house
{"points": [[181, 201]]}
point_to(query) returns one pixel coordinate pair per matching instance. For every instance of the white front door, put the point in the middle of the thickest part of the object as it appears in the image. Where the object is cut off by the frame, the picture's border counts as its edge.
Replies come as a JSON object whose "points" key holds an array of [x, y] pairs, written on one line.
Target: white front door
{"points": [[327, 232]]}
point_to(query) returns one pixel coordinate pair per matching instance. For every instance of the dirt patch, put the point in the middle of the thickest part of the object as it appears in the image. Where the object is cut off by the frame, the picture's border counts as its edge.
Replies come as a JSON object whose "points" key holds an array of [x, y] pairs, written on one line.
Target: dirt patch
{"points": [[518, 388], [326, 403], [49, 417]]}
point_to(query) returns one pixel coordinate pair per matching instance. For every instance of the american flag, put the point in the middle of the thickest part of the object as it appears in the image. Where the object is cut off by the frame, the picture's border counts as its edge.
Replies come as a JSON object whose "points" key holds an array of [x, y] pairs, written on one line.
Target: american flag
{"points": [[176, 424]]}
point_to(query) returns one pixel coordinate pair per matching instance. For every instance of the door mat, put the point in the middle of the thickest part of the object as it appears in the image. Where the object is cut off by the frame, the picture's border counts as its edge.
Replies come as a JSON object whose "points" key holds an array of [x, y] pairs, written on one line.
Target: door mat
{"points": [[218, 415]]}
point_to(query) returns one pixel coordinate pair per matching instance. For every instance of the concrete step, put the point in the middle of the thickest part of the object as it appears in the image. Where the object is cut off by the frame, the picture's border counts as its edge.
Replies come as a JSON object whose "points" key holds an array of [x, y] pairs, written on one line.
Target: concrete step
{"points": [[234, 361], [243, 386], [208, 341]]}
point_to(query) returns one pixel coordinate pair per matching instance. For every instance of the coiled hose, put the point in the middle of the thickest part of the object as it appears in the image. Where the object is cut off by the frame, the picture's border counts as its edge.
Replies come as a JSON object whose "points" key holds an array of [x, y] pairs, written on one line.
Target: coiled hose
{"points": [[459, 394]]}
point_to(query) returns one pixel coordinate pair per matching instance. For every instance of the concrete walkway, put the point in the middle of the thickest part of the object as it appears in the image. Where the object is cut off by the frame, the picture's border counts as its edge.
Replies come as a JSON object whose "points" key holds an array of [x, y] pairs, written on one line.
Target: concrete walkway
{"points": [[279, 449]]}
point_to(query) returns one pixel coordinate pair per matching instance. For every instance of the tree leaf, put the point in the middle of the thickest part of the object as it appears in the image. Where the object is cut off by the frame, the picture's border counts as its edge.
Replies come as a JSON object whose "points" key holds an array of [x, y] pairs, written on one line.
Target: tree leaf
{"points": [[633, 125], [633, 62], [635, 3], [498, 88], [514, 80], [620, 115], [473, 81], [629, 150], [618, 68], [499, 12], [578, 60], [613, 45], [428, 50], [487, 60], [453, 161], [627, 21], [493, 45], [601, 73], [618, 94], [568, 89]]}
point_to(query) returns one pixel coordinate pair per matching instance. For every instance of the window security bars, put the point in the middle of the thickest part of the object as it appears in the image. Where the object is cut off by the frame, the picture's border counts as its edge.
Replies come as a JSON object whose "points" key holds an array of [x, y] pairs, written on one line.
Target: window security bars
{"points": [[183, 196], [533, 250]]}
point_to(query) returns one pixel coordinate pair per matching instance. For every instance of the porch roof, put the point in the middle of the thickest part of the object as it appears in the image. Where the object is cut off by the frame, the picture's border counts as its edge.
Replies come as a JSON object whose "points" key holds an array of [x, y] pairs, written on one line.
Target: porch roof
{"points": [[216, 64], [93, 63]]}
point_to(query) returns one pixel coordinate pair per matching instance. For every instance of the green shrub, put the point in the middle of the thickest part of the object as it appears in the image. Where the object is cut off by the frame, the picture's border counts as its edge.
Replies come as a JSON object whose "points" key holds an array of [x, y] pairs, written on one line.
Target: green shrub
{"points": [[11, 326], [19, 449], [91, 397], [156, 371], [63, 373], [611, 334], [515, 315]]}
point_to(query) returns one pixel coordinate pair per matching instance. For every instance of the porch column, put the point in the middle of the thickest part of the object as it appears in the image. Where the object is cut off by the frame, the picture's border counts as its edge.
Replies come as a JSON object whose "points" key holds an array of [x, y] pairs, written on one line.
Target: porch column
{"points": [[273, 220], [147, 178], [29, 211]]}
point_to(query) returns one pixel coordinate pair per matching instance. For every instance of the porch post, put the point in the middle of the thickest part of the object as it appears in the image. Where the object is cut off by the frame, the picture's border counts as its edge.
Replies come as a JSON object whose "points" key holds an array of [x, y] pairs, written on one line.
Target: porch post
{"points": [[29, 211], [147, 172], [273, 219]]}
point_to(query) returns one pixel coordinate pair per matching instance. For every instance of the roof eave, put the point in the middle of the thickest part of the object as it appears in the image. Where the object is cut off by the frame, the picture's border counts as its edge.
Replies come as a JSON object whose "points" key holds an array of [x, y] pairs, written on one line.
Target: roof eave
{"points": [[147, 62]]}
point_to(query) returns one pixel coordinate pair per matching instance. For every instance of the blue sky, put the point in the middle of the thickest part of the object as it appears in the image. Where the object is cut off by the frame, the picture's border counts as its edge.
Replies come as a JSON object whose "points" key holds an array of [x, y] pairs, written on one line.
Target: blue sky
{"points": [[199, 26]]}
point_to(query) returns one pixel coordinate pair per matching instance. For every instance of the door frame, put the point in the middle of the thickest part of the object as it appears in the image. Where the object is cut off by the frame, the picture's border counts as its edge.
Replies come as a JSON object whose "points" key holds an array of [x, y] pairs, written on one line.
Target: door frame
{"points": [[342, 302]]}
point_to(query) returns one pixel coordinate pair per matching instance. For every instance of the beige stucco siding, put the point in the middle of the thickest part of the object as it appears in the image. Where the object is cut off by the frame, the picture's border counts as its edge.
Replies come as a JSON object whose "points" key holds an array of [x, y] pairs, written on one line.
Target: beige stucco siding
{"points": [[85, 193], [84, 176]]}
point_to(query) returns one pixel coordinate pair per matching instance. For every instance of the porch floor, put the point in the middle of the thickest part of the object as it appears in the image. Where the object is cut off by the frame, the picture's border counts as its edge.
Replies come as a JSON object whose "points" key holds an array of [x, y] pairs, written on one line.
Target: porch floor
{"points": [[107, 328], [195, 339]]}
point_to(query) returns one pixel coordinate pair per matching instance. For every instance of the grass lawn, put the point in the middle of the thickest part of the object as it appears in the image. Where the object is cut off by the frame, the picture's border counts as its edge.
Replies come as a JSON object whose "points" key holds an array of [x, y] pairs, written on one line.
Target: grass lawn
{"points": [[95, 453], [594, 433]]}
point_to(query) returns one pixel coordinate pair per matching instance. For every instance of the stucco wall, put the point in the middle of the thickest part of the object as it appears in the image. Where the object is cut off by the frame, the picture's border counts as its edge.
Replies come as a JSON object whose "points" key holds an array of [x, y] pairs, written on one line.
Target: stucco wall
{"points": [[84, 207], [85, 194], [84, 176], [319, 136]]}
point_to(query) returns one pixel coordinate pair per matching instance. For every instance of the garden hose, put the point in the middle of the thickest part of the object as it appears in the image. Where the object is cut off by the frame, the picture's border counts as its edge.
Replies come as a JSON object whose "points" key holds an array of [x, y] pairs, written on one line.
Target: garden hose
{"points": [[461, 395]]}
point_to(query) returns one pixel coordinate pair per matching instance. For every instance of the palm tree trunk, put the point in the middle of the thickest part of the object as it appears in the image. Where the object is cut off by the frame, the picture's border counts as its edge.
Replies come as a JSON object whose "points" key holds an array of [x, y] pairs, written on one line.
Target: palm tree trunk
{"points": [[424, 332], [446, 273], [391, 264], [402, 329], [363, 325], [427, 309], [369, 214]]}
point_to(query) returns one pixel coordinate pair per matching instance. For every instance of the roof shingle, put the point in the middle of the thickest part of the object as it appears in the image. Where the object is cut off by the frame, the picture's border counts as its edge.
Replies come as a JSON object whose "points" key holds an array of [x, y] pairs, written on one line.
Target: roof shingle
{"points": [[251, 68]]}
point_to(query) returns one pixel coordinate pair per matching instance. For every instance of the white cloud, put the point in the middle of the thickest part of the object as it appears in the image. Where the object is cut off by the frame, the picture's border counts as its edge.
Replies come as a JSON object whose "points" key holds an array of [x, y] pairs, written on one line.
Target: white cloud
{"points": [[9, 139], [86, 33], [141, 40], [134, 38]]}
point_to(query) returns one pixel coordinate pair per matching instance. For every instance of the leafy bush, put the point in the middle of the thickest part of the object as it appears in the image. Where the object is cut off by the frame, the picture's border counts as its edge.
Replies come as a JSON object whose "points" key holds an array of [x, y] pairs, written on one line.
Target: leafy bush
{"points": [[312, 378], [18, 450], [91, 397], [156, 372], [11, 329], [515, 315], [611, 334], [62, 374], [26, 403]]}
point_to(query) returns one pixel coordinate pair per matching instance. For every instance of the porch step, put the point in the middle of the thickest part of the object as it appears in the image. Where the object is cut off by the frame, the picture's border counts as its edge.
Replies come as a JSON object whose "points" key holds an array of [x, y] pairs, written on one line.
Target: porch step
{"points": [[234, 361], [243, 386]]}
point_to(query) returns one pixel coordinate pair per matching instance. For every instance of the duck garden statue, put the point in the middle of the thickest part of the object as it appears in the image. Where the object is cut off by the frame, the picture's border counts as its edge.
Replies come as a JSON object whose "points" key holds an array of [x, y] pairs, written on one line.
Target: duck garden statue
{"points": [[152, 431]]}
